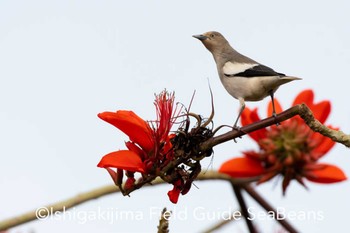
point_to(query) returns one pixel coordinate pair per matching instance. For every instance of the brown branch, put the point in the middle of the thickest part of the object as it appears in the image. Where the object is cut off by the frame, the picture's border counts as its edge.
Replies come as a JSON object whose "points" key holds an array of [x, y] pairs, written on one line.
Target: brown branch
{"points": [[302, 110], [315, 125], [244, 209], [110, 189], [93, 194], [57, 207], [268, 208]]}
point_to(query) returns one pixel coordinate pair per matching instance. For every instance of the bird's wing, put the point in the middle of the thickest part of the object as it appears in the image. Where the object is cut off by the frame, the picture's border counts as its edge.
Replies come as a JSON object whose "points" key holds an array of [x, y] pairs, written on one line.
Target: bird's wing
{"points": [[248, 70]]}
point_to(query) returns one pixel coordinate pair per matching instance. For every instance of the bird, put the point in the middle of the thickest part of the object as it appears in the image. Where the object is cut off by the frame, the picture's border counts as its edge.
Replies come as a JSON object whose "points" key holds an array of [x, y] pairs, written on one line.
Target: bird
{"points": [[242, 77]]}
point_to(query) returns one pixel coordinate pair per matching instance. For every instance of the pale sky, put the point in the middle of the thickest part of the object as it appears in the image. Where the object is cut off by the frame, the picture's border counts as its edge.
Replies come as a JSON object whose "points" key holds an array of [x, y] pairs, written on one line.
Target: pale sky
{"points": [[62, 62]]}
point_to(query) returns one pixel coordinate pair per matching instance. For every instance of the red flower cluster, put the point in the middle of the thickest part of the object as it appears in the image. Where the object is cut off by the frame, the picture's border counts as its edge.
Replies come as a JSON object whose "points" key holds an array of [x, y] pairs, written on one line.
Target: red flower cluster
{"points": [[149, 147], [291, 149]]}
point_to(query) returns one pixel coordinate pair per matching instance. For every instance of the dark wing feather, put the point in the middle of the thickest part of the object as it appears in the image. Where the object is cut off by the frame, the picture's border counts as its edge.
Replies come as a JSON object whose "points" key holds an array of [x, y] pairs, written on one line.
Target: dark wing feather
{"points": [[259, 70]]}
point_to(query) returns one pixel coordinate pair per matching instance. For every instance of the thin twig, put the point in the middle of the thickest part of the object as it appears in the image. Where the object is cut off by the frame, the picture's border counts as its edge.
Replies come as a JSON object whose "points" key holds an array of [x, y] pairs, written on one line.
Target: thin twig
{"points": [[244, 208], [220, 224], [269, 208]]}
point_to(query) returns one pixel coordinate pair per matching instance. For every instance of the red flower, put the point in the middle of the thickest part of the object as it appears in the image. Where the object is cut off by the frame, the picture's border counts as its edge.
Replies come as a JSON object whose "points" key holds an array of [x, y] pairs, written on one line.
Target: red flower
{"points": [[149, 147], [291, 149], [175, 192]]}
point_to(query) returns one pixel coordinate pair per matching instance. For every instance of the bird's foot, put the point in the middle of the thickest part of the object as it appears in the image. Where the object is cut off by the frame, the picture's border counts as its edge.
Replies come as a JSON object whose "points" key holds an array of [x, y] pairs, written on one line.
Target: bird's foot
{"points": [[238, 128], [274, 115]]}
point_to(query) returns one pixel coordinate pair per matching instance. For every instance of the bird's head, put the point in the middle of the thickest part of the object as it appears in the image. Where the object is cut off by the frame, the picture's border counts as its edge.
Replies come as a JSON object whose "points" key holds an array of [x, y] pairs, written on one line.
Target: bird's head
{"points": [[213, 41]]}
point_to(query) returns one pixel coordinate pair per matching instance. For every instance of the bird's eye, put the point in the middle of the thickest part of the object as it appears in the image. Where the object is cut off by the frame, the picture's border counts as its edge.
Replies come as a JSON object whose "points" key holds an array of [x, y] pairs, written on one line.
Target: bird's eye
{"points": [[212, 35]]}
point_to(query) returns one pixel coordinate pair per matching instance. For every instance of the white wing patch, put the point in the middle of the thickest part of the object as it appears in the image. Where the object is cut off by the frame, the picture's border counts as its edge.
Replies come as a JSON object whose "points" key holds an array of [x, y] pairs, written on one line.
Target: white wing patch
{"points": [[233, 68]]}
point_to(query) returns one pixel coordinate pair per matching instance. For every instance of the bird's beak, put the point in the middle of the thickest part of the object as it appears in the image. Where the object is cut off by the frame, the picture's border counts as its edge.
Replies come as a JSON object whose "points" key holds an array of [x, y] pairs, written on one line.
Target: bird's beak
{"points": [[200, 37]]}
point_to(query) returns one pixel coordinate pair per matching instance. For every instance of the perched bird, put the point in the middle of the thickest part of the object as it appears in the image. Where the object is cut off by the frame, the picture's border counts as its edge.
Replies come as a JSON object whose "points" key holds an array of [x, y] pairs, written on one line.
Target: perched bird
{"points": [[242, 77]]}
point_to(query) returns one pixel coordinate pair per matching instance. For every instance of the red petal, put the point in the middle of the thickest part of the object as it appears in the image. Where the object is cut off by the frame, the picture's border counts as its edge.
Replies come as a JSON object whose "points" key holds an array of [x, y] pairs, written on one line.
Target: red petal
{"points": [[325, 145], [132, 147], [267, 176], [174, 195], [242, 167], [123, 159], [327, 174], [321, 110], [322, 144], [132, 125], [278, 108], [250, 116], [306, 96], [129, 183], [252, 155], [113, 175], [117, 177], [245, 117]]}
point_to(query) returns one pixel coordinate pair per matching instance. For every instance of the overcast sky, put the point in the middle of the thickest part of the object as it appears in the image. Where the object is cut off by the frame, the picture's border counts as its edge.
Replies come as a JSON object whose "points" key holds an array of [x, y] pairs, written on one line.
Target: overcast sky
{"points": [[62, 62]]}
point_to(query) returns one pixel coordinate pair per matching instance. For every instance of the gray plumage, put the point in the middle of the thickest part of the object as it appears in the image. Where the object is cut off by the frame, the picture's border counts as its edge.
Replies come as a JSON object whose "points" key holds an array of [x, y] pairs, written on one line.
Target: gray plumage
{"points": [[242, 77]]}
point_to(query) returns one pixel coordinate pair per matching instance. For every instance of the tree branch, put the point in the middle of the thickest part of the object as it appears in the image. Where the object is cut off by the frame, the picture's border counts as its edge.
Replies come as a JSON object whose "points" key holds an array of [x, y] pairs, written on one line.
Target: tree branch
{"points": [[244, 209], [269, 208], [336, 135], [302, 110], [97, 193], [58, 206]]}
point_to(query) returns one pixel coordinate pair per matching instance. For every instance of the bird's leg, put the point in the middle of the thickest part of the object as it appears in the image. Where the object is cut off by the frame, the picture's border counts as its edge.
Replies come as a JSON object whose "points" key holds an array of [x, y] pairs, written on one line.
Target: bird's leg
{"points": [[273, 107], [242, 103]]}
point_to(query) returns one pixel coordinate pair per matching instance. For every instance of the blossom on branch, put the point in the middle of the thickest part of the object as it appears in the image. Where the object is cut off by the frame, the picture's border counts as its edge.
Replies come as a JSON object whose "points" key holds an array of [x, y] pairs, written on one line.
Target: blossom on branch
{"points": [[153, 151], [291, 149]]}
